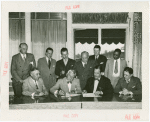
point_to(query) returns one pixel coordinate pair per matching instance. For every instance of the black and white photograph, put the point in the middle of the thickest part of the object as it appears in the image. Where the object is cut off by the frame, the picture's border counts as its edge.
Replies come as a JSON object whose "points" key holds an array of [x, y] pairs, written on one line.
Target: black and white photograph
{"points": [[75, 60]]}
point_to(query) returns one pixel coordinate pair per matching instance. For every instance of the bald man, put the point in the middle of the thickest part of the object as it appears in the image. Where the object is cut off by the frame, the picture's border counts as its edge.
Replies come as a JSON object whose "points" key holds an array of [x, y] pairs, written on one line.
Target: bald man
{"points": [[84, 68], [33, 85]]}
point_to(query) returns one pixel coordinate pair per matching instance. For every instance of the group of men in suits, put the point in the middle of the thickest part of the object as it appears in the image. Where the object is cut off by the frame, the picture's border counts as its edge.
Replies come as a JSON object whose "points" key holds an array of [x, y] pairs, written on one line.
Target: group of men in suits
{"points": [[91, 74]]}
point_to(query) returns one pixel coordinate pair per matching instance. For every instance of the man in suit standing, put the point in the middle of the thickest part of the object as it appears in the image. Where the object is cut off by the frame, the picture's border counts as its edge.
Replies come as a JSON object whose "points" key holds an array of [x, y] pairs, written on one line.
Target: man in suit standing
{"points": [[46, 66], [63, 65], [99, 84], [99, 59], [68, 84], [114, 67], [21, 65], [33, 85], [128, 85], [84, 68]]}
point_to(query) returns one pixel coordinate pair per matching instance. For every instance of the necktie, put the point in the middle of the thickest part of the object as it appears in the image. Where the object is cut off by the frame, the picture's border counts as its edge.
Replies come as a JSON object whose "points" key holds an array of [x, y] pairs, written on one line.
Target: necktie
{"points": [[24, 58], [36, 85], [85, 65], [49, 64], [116, 67]]}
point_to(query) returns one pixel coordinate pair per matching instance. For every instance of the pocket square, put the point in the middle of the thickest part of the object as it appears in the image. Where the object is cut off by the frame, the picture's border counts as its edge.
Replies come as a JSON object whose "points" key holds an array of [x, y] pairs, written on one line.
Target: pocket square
{"points": [[133, 86], [31, 62], [101, 62]]}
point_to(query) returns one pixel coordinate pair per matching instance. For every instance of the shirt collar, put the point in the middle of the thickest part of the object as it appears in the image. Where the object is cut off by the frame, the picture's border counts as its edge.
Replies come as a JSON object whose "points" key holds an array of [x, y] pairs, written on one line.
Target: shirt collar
{"points": [[48, 58], [96, 56], [117, 59], [65, 60], [127, 81], [22, 55]]}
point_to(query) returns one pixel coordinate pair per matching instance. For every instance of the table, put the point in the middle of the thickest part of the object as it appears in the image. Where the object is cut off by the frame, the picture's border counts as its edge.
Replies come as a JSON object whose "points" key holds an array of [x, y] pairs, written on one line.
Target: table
{"points": [[78, 102]]}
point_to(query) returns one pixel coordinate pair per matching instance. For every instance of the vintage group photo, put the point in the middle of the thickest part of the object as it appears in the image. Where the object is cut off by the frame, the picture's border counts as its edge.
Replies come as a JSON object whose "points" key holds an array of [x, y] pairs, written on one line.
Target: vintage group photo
{"points": [[75, 60]]}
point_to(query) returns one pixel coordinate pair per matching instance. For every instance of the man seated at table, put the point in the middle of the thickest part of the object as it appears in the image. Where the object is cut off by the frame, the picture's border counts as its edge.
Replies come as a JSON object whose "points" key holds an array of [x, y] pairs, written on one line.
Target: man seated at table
{"points": [[68, 84], [99, 85], [33, 85], [128, 85]]}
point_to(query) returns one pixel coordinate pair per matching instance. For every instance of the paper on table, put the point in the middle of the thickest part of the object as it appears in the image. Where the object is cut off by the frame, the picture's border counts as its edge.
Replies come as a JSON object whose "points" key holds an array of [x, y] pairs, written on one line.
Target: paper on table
{"points": [[90, 95], [71, 95]]}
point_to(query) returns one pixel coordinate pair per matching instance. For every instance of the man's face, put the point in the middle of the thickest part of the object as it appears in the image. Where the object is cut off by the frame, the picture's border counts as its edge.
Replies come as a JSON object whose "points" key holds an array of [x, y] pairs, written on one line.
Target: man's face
{"points": [[71, 75], [23, 49], [97, 74], [116, 55], [49, 54], [127, 75], [96, 51], [35, 75], [64, 55], [85, 57]]}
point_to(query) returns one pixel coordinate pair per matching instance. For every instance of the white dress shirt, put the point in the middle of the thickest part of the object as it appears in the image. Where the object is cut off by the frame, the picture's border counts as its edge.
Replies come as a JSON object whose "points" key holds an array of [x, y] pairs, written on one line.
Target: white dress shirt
{"points": [[65, 61], [117, 74], [69, 86], [47, 59], [96, 57], [95, 85], [23, 56], [36, 83], [83, 63]]}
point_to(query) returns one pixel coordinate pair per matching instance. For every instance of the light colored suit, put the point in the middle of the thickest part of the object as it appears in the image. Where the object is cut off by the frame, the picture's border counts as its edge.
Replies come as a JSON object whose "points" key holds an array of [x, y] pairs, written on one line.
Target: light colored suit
{"points": [[48, 75], [29, 86], [63, 85], [109, 71]]}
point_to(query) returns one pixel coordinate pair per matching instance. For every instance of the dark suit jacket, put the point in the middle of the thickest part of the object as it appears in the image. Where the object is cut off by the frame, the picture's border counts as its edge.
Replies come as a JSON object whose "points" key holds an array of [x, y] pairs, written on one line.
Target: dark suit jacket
{"points": [[19, 69], [48, 75], [60, 66], [134, 85], [84, 73], [104, 85], [101, 61]]}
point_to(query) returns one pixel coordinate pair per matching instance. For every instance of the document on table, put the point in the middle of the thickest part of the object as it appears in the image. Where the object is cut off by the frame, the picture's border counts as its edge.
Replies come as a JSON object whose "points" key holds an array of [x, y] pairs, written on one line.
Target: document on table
{"points": [[90, 95], [71, 95]]}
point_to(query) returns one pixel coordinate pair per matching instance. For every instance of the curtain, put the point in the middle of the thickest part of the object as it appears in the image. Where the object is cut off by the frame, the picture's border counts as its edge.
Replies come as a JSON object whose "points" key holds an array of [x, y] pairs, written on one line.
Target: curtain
{"points": [[137, 50], [46, 33], [16, 36]]}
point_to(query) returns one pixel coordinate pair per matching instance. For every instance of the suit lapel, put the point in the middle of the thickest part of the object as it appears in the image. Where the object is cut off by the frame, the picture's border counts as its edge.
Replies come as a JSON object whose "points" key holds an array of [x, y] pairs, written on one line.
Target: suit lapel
{"points": [[31, 83], [120, 65], [66, 85], [27, 60], [112, 65], [67, 65], [92, 85], [21, 61], [46, 63]]}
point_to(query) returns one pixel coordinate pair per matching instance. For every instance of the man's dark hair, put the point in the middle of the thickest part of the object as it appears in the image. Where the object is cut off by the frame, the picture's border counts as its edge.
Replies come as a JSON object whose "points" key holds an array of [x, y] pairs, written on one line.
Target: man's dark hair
{"points": [[63, 50], [118, 50], [97, 46], [22, 44], [98, 67], [49, 48], [128, 69], [33, 69]]}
